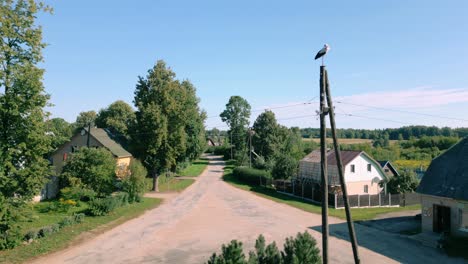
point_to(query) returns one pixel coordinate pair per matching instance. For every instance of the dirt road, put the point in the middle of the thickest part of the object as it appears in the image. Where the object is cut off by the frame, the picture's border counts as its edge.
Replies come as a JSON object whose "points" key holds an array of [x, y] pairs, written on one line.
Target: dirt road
{"points": [[191, 226]]}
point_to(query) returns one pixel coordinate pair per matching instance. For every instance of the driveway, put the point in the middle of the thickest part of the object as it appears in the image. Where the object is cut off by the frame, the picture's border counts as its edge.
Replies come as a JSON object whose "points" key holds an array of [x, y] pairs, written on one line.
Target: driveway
{"points": [[188, 228]]}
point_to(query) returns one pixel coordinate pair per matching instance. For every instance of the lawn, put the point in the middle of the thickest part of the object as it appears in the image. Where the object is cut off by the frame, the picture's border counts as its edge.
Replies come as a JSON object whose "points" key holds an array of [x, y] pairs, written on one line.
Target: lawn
{"points": [[358, 214], [169, 185], [74, 234], [195, 169]]}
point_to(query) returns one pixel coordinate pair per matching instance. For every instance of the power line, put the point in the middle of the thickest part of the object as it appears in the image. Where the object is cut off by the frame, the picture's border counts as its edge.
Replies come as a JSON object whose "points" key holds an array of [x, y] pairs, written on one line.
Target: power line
{"points": [[404, 111], [278, 107]]}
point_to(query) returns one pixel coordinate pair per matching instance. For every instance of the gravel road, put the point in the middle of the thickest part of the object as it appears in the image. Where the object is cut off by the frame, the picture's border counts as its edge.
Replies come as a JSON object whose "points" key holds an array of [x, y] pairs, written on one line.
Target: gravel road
{"points": [[189, 227]]}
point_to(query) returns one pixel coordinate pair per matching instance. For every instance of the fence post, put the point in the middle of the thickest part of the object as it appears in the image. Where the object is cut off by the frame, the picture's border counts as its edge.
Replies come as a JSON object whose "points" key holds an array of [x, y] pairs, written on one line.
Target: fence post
{"points": [[358, 201], [369, 199], [302, 185], [336, 201], [380, 198], [389, 199]]}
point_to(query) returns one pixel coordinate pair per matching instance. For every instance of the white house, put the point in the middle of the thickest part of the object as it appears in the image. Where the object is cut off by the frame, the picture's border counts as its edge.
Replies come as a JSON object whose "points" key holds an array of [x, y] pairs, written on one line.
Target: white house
{"points": [[362, 173]]}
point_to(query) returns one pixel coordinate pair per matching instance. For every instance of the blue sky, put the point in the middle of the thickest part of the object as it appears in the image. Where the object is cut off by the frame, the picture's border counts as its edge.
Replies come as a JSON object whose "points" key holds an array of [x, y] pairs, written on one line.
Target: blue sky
{"points": [[397, 55]]}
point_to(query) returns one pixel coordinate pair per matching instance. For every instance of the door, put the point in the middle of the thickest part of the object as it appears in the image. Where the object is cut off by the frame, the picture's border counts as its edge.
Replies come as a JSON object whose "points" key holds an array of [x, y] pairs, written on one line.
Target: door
{"points": [[441, 218]]}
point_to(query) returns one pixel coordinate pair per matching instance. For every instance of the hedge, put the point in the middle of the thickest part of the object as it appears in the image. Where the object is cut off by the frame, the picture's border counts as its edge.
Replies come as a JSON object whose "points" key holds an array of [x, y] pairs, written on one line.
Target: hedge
{"points": [[251, 175], [103, 206]]}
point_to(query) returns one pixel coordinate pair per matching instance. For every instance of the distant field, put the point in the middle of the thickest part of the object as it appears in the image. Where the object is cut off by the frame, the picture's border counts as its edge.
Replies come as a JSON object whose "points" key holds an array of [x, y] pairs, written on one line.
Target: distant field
{"points": [[346, 140]]}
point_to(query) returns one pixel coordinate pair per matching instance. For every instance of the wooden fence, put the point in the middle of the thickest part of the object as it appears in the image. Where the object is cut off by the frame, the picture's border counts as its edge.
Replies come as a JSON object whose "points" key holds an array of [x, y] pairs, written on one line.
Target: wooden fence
{"points": [[311, 191]]}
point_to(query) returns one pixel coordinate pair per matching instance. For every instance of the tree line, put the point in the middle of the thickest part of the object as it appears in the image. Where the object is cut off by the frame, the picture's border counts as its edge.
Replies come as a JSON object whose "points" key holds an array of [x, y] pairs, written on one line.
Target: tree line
{"points": [[402, 133]]}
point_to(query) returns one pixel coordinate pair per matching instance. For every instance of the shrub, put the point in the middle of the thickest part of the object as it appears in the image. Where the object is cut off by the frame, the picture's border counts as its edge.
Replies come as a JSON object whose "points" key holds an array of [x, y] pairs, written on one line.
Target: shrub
{"points": [[11, 213], [66, 221], [103, 206], [31, 235], [251, 175], [77, 193], [46, 231], [95, 168], [135, 184], [78, 218], [302, 249], [285, 167]]}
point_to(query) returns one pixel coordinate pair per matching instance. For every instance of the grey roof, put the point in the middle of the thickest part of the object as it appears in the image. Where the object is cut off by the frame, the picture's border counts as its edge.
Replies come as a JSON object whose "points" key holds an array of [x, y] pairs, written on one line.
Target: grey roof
{"points": [[105, 139], [346, 156], [390, 165], [447, 176]]}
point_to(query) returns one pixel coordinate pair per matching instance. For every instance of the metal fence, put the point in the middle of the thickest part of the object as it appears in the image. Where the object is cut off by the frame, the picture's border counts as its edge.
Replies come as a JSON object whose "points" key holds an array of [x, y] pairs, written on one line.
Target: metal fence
{"points": [[311, 191]]}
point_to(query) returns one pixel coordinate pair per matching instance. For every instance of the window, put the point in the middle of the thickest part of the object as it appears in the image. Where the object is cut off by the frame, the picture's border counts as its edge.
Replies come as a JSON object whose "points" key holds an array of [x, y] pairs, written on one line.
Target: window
{"points": [[74, 149], [369, 167], [353, 168], [386, 170], [366, 188]]}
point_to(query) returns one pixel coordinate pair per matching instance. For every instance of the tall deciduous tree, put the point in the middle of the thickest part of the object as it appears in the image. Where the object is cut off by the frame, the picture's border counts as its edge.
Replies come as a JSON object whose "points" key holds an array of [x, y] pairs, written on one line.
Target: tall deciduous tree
{"points": [[23, 139], [236, 115], [84, 119], [169, 124], [194, 127], [268, 137], [59, 130], [117, 117]]}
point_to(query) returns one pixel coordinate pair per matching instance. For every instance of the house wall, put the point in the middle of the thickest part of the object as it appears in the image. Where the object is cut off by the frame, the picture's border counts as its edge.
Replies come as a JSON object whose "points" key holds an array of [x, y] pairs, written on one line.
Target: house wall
{"points": [[77, 140], [355, 182], [458, 214], [360, 177], [122, 166]]}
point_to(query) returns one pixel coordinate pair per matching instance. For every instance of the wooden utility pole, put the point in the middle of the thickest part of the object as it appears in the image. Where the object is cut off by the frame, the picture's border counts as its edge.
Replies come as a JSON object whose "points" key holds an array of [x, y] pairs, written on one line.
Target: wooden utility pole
{"points": [[349, 219], [89, 132], [231, 143], [323, 155]]}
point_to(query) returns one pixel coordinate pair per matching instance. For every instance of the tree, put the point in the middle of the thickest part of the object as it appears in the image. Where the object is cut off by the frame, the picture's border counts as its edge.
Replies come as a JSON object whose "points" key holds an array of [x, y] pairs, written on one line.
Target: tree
{"points": [[84, 119], [236, 115], [59, 131], [161, 133], [194, 127], [92, 167], [117, 118], [285, 166], [267, 139], [23, 139], [134, 184], [405, 182]]}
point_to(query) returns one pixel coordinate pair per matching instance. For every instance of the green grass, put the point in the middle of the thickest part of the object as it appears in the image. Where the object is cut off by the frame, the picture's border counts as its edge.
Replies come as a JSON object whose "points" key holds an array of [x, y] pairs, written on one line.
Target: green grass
{"points": [[67, 236], [171, 185], [40, 218], [195, 169], [358, 214]]}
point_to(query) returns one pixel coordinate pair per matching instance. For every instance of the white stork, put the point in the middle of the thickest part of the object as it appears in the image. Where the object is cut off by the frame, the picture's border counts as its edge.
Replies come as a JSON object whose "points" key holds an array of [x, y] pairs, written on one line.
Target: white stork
{"points": [[322, 52]]}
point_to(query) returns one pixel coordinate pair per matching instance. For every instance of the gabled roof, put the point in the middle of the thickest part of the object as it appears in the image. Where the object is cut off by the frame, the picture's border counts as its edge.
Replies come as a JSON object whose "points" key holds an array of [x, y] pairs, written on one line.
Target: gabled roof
{"points": [[447, 175], [387, 163], [104, 137], [346, 156]]}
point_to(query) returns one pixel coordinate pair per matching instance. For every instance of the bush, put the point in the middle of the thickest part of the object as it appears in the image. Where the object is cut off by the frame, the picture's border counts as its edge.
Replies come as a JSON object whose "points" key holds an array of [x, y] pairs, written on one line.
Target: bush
{"points": [[31, 235], [66, 221], [77, 193], [95, 169], [285, 167], [251, 175], [47, 230], [135, 184], [11, 213], [302, 249], [103, 206], [78, 218]]}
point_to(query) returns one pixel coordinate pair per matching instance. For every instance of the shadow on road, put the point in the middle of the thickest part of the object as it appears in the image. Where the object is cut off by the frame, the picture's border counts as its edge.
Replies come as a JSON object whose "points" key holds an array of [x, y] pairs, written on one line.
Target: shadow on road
{"points": [[394, 246]]}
